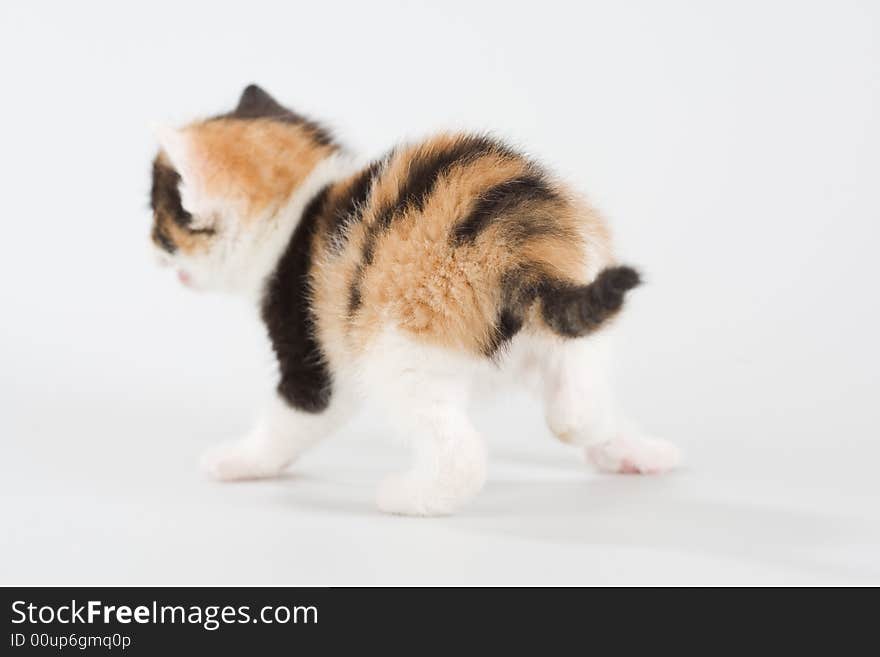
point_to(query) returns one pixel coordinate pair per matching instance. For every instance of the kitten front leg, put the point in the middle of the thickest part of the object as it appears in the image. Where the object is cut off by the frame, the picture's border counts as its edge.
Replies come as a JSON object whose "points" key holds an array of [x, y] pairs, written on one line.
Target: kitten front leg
{"points": [[279, 436]]}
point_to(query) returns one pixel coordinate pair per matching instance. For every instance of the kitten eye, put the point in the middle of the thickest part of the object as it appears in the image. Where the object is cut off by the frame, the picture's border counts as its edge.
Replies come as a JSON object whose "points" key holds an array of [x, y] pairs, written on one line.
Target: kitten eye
{"points": [[200, 231]]}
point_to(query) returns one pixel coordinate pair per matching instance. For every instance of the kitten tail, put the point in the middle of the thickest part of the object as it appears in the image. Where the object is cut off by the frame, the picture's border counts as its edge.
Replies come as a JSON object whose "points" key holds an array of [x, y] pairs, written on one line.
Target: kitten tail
{"points": [[575, 310]]}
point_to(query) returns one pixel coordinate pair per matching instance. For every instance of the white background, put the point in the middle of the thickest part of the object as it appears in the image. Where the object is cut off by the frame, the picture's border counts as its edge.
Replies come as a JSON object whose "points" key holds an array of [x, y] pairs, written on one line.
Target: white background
{"points": [[734, 147]]}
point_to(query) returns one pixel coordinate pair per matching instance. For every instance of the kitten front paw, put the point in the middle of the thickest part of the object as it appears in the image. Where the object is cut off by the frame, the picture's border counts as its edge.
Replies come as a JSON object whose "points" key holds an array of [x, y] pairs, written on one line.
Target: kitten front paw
{"points": [[239, 462], [410, 495], [634, 454]]}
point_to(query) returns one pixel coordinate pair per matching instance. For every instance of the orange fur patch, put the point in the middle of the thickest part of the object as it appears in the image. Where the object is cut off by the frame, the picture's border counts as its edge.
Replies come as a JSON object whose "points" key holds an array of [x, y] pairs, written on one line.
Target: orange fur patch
{"points": [[259, 161]]}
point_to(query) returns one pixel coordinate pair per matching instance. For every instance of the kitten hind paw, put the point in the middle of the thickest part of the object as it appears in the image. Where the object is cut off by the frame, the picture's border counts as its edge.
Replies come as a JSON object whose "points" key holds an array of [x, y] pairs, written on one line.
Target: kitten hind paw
{"points": [[634, 455], [409, 495]]}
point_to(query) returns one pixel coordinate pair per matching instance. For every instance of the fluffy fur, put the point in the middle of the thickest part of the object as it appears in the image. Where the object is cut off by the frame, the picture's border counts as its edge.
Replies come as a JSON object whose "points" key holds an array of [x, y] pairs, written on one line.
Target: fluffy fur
{"points": [[403, 282]]}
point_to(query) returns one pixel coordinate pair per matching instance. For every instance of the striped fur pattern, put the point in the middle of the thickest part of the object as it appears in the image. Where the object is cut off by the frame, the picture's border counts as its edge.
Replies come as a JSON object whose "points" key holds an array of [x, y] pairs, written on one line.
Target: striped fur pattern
{"points": [[458, 240], [457, 243]]}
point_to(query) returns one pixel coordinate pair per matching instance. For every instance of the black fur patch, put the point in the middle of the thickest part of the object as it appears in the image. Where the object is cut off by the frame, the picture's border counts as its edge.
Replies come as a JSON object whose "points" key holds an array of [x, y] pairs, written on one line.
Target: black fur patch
{"points": [[165, 194], [354, 294], [255, 103], [575, 310], [306, 382], [348, 208], [503, 199], [369, 248], [518, 290], [508, 324], [162, 238], [354, 291], [166, 205]]}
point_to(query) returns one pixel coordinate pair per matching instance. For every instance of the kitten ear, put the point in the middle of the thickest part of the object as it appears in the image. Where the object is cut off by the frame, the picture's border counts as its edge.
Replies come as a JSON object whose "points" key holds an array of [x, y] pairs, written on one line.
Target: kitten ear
{"points": [[255, 103], [182, 156], [180, 151], [175, 144]]}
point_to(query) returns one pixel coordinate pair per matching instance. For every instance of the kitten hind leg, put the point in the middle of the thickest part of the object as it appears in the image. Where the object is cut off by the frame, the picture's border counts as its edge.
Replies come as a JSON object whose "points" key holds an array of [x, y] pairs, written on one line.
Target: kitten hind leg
{"points": [[579, 409], [424, 391], [279, 436], [449, 467]]}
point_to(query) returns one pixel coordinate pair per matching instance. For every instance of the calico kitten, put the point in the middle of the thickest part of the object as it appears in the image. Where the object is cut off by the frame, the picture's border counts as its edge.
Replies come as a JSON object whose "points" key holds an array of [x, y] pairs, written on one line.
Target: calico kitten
{"points": [[403, 282]]}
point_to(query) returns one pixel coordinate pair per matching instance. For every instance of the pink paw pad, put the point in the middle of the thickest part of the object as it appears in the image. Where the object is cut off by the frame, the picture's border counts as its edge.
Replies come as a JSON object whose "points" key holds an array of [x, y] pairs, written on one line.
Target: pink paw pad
{"points": [[628, 455], [628, 467]]}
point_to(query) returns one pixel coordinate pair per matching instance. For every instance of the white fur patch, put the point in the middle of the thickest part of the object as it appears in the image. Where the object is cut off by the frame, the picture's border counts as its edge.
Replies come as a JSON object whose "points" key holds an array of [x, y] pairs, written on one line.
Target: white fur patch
{"points": [[424, 392]]}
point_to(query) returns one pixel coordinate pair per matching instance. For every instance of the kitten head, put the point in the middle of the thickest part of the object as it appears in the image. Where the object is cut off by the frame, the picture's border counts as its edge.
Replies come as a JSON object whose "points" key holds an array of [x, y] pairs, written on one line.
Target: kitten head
{"points": [[220, 185]]}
